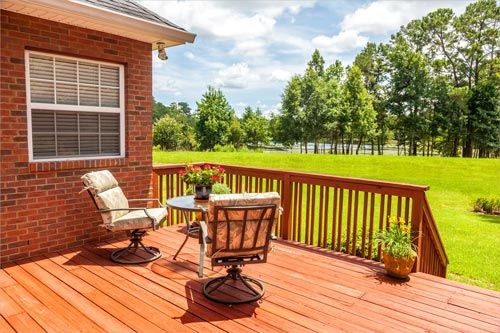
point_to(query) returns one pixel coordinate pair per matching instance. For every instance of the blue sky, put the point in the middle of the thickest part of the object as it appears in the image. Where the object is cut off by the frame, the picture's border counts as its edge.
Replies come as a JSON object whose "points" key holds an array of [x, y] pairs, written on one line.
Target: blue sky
{"points": [[249, 49]]}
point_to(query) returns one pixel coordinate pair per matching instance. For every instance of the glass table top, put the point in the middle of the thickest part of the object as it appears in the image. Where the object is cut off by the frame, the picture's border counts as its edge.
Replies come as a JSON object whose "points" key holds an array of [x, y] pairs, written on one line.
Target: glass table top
{"points": [[187, 202]]}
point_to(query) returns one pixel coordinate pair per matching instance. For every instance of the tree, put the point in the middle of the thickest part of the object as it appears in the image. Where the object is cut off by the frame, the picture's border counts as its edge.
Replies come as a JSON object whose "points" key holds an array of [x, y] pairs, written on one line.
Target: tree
{"points": [[213, 119], [478, 45], [167, 133], [290, 121], [357, 104], [236, 134], [484, 114], [333, 77], [255, 126], [409, 93], [313, 98]]}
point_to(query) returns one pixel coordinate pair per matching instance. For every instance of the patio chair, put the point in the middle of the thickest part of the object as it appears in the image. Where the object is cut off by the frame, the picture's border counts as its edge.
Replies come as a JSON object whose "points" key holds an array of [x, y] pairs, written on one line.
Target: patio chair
{"points": [[238, 232], [117, 215]]}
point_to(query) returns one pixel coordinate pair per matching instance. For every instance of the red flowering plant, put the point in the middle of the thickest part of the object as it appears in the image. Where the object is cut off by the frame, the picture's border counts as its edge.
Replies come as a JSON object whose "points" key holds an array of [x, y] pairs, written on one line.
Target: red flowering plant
{"points": [[202, 175]]}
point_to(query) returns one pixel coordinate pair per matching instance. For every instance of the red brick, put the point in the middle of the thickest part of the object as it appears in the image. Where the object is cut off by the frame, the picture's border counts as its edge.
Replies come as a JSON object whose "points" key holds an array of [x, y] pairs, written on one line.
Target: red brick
{"points": [[40, 203]]}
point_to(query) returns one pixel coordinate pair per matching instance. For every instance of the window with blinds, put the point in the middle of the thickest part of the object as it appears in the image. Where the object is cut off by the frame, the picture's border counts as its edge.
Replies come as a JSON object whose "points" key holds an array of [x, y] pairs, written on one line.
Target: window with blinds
{"points": [[75, 107]]}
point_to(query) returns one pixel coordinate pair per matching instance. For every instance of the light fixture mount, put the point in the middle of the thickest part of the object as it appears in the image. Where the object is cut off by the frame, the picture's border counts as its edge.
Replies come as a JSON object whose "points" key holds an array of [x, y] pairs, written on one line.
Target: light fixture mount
{"points": [[162, 53]]}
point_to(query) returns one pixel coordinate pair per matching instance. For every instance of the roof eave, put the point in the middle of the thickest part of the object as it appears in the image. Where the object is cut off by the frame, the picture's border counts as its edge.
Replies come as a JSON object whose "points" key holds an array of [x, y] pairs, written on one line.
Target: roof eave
{"points": [[111, 21]]}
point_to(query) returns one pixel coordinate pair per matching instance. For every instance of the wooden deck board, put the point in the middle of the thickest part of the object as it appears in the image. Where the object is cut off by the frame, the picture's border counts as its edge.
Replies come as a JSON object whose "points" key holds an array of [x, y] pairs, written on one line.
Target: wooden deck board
{"points": [[306, 290]]}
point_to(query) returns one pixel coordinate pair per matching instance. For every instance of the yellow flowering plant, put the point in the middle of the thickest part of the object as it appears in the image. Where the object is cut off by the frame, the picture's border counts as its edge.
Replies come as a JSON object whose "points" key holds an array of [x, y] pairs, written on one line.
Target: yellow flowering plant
{"points": [[397, 240]]}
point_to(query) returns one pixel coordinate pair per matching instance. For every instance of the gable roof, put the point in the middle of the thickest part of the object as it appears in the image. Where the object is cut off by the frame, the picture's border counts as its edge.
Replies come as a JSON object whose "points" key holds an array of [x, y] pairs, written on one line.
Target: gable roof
{"points": [[132, 8]]}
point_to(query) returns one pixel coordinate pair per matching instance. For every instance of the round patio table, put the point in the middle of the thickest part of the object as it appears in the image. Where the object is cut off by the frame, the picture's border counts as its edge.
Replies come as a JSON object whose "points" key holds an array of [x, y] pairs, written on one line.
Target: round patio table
{"points": [[187, 205]]}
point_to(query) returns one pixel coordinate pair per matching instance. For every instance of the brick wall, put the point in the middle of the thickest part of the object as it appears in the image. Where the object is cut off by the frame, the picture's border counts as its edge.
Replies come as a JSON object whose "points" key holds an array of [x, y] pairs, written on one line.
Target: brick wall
{"points": [[41, 210]]}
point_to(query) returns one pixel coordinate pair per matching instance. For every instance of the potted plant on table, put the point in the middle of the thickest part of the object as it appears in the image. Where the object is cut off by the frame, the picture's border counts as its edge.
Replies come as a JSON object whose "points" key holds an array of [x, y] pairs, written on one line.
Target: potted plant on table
{"points": [[399, 251], [202, 178]]}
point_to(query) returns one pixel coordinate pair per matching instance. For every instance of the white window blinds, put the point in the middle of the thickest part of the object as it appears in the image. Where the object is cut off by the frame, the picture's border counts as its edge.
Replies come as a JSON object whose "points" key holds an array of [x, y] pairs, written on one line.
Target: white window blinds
{"points": [[75, 108], [64, 81]]}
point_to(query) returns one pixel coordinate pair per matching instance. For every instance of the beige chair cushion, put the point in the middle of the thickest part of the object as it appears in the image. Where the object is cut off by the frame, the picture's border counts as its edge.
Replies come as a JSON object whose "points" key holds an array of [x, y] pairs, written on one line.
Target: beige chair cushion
{"points": [[137, 219], [236, 226], [112, 199], [99, 181]]}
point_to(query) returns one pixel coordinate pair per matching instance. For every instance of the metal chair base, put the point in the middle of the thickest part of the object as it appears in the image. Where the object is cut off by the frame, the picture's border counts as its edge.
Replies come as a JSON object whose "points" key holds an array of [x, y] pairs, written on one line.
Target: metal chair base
{"points": [[234, 273], [135, 244]]}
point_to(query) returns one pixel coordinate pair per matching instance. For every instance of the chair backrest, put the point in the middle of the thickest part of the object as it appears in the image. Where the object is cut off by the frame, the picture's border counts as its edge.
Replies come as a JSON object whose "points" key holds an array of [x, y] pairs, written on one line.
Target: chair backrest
{"points": [[241, 224], [106, 194]]}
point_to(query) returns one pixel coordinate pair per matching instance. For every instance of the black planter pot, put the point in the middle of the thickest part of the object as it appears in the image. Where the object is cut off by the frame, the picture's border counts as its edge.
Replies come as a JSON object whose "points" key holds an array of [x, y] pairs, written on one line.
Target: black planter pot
{"points": [[202, 192]]}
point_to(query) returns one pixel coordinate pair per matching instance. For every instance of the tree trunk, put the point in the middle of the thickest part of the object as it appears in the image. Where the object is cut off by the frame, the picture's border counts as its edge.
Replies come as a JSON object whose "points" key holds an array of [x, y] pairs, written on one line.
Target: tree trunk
{"points": [[359, 144], [306, 147], [342, 143]]}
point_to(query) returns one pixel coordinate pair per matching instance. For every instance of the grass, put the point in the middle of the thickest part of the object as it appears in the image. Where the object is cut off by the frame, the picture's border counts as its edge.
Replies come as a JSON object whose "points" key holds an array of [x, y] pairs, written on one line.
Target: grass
{"points": [[472, 240]]}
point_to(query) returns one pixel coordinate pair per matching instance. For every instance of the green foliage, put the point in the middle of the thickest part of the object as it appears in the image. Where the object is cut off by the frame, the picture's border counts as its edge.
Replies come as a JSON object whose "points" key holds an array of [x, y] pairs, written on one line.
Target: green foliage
{"points": [[170, 134], [226, 148], [255, 126], [236, 136], [397, 241], [214, 116], [487, 205], [484, 115], [358, 106], [220, 188]]}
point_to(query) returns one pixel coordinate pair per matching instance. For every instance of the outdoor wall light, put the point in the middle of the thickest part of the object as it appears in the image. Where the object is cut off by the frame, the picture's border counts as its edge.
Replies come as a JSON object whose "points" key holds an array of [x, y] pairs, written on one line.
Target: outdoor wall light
{"points": [[162, 54]]}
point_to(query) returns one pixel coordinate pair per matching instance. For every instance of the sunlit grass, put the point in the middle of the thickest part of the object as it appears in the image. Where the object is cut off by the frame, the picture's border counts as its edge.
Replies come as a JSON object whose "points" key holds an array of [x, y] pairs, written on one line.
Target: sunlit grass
{"points": [[472, 240]]}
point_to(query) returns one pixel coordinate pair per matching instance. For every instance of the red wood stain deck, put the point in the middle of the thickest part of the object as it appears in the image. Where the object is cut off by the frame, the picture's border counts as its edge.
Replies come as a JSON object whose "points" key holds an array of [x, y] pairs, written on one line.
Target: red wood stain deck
{"points": [[307, 290]]}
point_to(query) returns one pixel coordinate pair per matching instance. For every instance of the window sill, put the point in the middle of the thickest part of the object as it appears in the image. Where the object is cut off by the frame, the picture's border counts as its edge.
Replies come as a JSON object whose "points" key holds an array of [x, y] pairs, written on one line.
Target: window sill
{"points": [[36, 167]]}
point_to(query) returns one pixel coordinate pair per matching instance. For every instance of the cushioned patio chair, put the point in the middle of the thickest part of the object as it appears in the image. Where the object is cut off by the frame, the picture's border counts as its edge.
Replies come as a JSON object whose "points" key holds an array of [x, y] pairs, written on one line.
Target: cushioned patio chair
{"points": [[238, 232], [118, 215]]}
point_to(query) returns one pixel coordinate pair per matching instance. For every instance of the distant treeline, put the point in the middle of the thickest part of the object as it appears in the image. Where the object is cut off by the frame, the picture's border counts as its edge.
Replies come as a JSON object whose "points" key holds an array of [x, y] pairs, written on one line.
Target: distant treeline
{"points": [[432, 89]]}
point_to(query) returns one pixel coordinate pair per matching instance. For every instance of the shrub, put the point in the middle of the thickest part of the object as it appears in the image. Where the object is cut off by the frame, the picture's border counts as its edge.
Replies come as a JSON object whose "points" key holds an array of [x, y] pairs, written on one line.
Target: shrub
{"points": [[224, 148], [487, 205], [220, 188]]}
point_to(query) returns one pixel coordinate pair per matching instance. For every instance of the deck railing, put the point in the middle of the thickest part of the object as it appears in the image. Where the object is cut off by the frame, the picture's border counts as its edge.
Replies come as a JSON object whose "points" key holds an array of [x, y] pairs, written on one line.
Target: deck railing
{"points": [[338, 213]]}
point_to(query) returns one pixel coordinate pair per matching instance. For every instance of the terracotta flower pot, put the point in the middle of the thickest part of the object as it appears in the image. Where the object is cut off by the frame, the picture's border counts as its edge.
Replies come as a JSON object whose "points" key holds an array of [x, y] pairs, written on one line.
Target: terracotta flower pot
{"points": [[399, 267]]}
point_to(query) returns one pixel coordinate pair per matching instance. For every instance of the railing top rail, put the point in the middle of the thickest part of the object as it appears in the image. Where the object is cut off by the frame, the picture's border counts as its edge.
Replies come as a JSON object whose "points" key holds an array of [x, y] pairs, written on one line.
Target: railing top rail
{"points": [[297, 174]]}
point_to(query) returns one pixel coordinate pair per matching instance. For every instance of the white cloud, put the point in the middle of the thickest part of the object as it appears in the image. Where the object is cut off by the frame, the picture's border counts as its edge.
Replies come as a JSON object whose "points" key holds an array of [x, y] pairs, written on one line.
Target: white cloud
{"points": [[249, 48], [236, 76], [226, 19], [382, 17], [378, 18], [280, 75], [189, 55], [345, 41]]}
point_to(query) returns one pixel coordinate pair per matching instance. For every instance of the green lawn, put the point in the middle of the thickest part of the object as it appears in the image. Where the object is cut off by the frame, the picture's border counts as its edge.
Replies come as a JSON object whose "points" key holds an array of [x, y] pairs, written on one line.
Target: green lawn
{"points": [[472, 240]]}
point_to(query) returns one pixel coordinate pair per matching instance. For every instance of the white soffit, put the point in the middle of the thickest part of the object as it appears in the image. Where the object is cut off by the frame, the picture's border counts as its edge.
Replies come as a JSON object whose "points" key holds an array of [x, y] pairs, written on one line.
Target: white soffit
{"points": [[91, 17]]}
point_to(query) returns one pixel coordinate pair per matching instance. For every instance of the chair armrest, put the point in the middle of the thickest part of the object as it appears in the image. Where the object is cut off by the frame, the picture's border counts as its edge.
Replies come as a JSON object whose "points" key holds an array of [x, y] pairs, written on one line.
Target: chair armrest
{"points": [[148, 200]]}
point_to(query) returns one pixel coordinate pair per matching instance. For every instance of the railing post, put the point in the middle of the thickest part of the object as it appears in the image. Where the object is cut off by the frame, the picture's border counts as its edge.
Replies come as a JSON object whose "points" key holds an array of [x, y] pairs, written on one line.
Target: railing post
{"points": [[416, 226], [286, 196], [155, 184]]}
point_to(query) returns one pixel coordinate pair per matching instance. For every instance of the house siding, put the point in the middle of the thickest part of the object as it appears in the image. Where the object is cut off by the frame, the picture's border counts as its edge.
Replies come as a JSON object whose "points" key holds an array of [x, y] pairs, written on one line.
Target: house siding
{"points": [[41, 208]]}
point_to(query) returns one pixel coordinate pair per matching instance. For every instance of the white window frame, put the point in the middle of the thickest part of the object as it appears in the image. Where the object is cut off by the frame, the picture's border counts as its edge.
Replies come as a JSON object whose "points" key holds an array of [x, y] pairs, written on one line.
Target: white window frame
{"points": [[65, 107]]}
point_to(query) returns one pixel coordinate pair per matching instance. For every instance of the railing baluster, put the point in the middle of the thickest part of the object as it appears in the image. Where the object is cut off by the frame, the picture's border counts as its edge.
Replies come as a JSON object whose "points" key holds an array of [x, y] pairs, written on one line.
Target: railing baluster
{"points": [[308, 210], [334, 217], [380, 223], [355, 225], [327, 207], [372, 216], [389, 211], [400, 199], [363, 232], [348, 222], [341, 211], [320, 219], [313, 215], [299, 227], [407, 208]]}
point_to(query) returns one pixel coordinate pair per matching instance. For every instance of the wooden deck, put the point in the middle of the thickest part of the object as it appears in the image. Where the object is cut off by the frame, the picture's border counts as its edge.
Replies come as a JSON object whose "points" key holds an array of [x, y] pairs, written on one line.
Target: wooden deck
{"points": [[307, 291]]}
